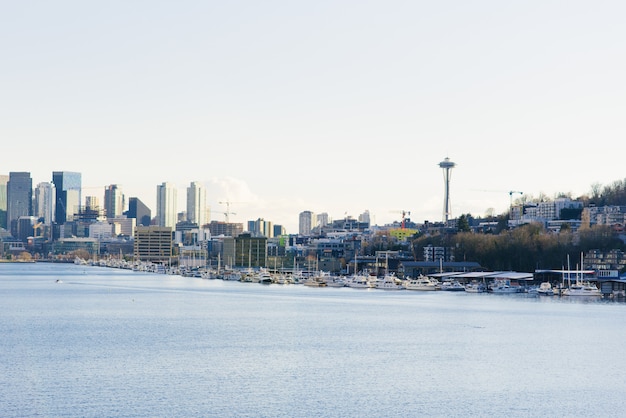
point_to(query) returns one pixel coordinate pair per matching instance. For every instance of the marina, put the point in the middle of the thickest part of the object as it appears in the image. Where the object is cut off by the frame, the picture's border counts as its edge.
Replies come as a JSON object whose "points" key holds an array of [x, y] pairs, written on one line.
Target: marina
{"points": [[113, 342]]}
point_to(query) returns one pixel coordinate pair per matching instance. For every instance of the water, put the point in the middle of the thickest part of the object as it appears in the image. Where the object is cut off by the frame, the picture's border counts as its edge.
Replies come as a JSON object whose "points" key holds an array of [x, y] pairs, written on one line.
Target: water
{"points": [[109, 342]]}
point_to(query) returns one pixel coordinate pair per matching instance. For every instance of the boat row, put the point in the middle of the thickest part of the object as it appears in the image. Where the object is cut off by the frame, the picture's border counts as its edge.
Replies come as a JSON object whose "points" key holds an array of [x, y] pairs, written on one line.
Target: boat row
{"points": [[366, 280]]}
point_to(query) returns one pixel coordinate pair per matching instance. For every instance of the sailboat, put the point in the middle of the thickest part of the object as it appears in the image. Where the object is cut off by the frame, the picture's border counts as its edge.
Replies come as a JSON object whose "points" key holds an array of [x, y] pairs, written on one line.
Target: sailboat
{"points": [[581, 287]]}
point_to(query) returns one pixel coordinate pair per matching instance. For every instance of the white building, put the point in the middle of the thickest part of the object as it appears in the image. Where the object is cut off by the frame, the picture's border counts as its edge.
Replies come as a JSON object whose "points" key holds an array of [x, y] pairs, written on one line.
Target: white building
{"points": [[196, 204], [113, 201], [305, 224], [166, 205], [45, 198]]}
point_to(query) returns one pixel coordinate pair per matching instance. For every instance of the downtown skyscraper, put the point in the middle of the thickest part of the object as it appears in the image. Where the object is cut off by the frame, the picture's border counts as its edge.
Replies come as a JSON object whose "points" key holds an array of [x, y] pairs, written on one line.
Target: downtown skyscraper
{"points": [[196, 204], [19, 198], [69, 192], [166, 205]]}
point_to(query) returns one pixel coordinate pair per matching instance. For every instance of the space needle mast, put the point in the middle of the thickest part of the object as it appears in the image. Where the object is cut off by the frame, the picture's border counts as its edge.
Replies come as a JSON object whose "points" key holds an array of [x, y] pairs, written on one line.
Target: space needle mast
{"points": [[446, 165]]}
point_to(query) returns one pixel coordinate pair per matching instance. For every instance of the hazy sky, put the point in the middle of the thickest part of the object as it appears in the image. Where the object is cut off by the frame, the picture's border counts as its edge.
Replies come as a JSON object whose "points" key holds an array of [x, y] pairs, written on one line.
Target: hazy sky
{"points": [[328, 106]]}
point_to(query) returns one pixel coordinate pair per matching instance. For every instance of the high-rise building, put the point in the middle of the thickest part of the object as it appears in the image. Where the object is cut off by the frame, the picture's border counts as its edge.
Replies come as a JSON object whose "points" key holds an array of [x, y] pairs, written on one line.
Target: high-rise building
{"points": [[19, 198], [69, 195], [4, 179], [153, 243], [166, 205], [113, 201], [138, 210], [305, 224], [196, 204], [45, 198]]}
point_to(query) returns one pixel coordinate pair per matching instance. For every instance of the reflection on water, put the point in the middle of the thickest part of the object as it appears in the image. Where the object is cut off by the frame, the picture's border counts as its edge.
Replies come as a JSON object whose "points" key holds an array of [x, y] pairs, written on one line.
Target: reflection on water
{"points": [[110, 342]]}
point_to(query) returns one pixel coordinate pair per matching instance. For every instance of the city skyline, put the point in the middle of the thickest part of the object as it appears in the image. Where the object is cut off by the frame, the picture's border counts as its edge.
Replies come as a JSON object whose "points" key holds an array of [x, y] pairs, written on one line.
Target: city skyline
{"points": [[338, 108]]}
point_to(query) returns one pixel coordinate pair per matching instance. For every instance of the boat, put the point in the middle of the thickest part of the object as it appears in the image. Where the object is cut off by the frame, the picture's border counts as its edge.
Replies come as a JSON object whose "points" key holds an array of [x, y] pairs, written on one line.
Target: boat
{"points": [[453, 286], [503, 286], [263, 277], [422, 283], [545, 289], [390, 282], [580, 287], [475, 287], [359, 281]]}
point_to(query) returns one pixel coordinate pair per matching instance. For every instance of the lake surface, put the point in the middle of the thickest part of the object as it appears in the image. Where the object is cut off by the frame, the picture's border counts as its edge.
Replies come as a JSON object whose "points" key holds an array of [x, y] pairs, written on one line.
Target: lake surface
{"points": [[108, 342]]}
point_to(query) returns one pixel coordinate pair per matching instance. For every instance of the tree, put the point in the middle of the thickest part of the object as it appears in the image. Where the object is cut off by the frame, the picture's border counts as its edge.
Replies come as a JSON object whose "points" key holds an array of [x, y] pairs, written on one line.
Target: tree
{"points": [[463, 224]]}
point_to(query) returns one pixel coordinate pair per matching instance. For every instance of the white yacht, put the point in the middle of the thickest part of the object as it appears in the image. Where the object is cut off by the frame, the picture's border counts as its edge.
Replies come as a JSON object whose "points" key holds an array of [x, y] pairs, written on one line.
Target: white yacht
{"points": [[453, 286], [582, 289], [545, 289], [475, 287], [360, 281], [390, 282], [422, 283]]}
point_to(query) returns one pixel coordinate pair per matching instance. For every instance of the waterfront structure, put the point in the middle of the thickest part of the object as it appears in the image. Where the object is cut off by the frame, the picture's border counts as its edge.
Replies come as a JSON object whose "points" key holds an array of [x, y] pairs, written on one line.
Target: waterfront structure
{"points": [[196, 204], [70, 245], [139, 211], [166, 205], [305, 224], [153, 243], [250, 251], [19, 199], [4, 179], [68, 195], [446, 165], [45, 197], [113, 201]]}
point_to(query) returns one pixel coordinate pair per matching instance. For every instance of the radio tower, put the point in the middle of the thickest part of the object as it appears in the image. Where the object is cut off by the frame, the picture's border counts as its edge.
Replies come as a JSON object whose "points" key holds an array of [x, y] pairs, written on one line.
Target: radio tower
{"points": [[446, 165]]}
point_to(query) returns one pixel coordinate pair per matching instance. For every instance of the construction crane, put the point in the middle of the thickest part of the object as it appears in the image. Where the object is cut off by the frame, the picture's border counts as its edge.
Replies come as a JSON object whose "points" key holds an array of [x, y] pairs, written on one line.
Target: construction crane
{"points": [[404, 213], [228, 212]]}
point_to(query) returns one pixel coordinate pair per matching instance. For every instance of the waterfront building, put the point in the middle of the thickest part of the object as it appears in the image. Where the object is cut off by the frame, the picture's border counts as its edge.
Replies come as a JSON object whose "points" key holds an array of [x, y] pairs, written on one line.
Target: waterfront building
{"points": [[154, 244], [250, 251], [305, 224], [113, 201], [19, 199], [4, 179], [71, 245], [68, 195], [196, 204], [435, 254], [45, 198], [139, 211], [166, 205]]}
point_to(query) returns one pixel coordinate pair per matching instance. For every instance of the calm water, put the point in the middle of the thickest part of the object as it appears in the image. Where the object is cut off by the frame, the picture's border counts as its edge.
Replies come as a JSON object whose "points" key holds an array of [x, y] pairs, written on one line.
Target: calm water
{"points": [[108, 342]]}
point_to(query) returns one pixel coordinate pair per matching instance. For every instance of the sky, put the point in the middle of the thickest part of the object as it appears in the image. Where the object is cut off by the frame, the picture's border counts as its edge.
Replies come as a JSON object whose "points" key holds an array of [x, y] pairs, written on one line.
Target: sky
{"points": [[330, 106]]}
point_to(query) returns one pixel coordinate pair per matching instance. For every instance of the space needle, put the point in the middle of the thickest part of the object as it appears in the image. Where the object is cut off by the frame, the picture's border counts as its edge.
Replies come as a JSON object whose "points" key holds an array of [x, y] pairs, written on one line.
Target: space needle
{"points": [[446, 165]]}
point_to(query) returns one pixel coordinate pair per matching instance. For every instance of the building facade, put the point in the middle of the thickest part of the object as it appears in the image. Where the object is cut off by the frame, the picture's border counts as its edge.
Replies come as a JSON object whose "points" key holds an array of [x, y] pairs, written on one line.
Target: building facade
{"points": [[154, 244], [68, 195], [19, 198], [305, 222], [45, 198], [166, 205], [196, 204], [113, 201], [138, 210], [4, 179]]}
